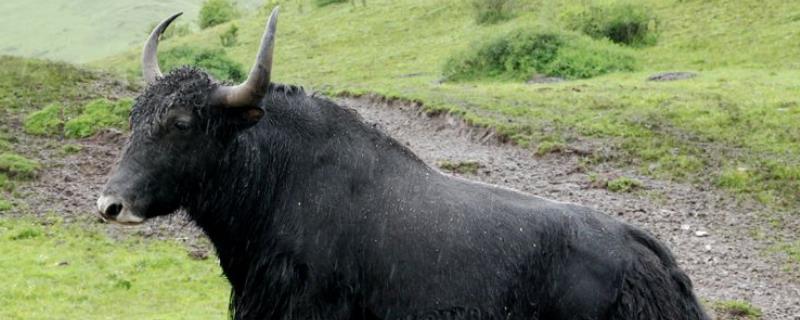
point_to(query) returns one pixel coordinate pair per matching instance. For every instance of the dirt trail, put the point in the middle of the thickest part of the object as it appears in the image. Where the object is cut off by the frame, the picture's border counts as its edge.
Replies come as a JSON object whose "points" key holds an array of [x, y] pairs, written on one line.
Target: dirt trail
{"points": [[709, 233]]}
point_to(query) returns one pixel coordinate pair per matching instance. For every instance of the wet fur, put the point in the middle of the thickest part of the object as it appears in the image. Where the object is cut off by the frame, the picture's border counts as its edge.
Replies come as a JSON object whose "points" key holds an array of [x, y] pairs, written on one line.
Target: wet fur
{"points": [[317, 215]]}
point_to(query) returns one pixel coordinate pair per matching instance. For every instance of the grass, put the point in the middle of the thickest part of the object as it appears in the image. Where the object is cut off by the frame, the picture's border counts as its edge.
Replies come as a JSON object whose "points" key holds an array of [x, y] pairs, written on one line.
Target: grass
{"points": [[736, 310], [72, 272], [15, 165], [623, 184], [97, 115], [460, 167], [47, 121], [741, 111]]}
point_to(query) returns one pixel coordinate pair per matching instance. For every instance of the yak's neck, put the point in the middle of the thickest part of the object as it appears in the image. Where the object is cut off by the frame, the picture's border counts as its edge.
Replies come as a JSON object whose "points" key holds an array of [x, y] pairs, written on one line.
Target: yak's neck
{"points": [[296, 153]]}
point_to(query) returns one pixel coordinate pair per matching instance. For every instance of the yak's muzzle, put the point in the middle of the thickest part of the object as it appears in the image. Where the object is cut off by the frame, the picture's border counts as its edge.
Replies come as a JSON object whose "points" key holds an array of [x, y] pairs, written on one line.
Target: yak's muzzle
{"points": [[114, 209]]}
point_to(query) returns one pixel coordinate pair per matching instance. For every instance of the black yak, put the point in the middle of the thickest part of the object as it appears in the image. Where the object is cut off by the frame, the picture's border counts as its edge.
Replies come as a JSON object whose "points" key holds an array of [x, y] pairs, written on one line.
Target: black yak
{"points": [[316, 215]]}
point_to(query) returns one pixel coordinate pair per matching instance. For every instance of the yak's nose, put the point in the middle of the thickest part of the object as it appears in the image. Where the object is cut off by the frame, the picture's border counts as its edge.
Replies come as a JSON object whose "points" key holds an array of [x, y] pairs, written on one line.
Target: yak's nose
{"points": [[109, 206], [113, 208]]}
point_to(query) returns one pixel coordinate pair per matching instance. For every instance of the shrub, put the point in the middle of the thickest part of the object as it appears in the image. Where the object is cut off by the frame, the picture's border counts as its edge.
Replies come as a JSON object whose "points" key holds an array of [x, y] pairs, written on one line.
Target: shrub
{"points": [[521, 54], [48, 121], [492, 11], [18, 166], [214, 61], [230, 37], [625, 23], [99, 114], [322, 3], [216, 12]]}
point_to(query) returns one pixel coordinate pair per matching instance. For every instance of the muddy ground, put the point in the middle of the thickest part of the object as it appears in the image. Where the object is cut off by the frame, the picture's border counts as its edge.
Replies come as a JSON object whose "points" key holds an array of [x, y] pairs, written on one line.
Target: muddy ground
{"points": [[711, 233]]}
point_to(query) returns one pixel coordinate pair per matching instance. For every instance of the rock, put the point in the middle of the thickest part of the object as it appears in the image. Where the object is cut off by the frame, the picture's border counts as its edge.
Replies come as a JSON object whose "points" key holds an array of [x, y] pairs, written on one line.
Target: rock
{"points": [[685, 227], [701, 233], [539, 78], [672, 76]]}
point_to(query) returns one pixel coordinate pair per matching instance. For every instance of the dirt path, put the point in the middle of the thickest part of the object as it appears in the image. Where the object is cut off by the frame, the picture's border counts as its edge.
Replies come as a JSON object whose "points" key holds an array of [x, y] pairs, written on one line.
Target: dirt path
{"points": [[709, 233]]}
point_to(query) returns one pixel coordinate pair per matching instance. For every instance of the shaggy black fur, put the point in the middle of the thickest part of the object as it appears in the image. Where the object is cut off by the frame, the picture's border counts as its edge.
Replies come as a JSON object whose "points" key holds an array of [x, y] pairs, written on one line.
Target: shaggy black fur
{"points": [[316, 215]]}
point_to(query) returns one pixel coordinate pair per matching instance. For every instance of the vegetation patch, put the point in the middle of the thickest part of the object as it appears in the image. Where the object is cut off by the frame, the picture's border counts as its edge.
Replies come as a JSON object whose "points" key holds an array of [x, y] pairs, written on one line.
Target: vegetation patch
{"points": [[230, 37], [5, 205], [623, 184], [626, 23], [492, 11], [322, 3], [27, 84], [82, 273], [214, 61], [547, 147], [15, 165], [45, 122], [99, 114], [175, 30], [736, 310], [214, 12], [460, 167], [523, 54], [71, 148]]}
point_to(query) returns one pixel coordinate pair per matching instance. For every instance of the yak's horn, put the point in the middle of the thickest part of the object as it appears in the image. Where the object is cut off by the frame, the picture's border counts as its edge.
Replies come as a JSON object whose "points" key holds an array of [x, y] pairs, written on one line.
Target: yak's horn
{"points": [[257, 83], [150, 69]]}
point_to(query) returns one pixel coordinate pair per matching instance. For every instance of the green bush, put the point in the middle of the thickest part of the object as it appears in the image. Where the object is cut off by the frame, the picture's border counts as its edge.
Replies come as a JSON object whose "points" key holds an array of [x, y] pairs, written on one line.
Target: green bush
{"points": [[322, 3], [521, 54], [99, 114], [18, 166], [214, 61], [230, 37], [48, 121], [492, 11], [216, 12], [621, 22]]}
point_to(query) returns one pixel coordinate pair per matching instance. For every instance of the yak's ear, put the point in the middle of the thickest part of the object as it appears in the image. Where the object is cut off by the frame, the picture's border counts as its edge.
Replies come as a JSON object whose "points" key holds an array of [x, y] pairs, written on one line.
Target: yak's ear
{"points": [[243, 117]]}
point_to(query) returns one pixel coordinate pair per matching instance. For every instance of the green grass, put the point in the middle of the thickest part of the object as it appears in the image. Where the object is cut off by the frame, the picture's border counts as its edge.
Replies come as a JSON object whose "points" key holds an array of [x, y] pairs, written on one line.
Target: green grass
{"points": [[99, 114], [460, 167], [70, 272], [5, 204], [623, 184], [47, 121], [18, 166], [740, 112], [739, 310]]}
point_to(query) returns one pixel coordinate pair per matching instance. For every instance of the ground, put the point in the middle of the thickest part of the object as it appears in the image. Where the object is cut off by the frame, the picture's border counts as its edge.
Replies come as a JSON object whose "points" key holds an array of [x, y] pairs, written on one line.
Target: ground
{"points": [[709, 231]]}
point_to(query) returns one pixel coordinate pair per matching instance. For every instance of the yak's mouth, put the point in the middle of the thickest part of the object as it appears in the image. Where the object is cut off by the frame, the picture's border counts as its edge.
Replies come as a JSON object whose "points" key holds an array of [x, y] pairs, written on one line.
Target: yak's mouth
{"points": [[113, 209]]}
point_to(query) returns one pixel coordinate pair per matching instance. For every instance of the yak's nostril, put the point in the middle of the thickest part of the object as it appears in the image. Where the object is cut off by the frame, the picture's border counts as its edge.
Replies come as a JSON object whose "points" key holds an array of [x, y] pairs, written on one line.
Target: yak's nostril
{"points": [[113, 210]]}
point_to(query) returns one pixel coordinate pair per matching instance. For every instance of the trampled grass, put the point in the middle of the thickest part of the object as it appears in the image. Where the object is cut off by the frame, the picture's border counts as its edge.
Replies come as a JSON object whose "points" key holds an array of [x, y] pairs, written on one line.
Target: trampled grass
{"points": [[740, 113], [57, 271]]}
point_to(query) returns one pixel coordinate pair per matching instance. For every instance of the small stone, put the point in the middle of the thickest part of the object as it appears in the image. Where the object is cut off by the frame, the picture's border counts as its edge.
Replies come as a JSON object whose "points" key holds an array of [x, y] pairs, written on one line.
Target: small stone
{"points": [[701, 233], [707, 248], [672, 76], [685, 227]]}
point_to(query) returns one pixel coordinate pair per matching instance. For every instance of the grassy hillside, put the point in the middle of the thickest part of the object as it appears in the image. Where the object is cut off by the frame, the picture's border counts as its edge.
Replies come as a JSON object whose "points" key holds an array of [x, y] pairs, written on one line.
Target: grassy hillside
{"points": [[84, 30], [64, 265], [733, 126]]}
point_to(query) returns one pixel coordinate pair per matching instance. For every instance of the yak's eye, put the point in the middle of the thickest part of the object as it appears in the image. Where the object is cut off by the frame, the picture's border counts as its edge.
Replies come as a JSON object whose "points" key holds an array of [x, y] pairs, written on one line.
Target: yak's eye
{"points": [[182, 125]]}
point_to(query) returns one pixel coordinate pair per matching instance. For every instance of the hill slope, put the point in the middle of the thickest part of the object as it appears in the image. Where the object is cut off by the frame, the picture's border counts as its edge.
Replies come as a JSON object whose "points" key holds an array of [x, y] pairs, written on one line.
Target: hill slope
{"points": [[734, 126], [83, 30]]}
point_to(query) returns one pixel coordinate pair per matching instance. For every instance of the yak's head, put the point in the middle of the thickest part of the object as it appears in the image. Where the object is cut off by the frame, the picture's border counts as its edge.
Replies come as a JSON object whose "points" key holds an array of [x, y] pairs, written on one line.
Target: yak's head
{"points": [[179, 128]]}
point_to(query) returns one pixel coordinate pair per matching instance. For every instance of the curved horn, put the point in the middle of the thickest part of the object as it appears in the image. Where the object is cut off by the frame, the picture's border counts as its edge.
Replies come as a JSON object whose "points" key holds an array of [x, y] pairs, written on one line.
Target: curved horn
{"points": [[150, 69], [257, 83]]}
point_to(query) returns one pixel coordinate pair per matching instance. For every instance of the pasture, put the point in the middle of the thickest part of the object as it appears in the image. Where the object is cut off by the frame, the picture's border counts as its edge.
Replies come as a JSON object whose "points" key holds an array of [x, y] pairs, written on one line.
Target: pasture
{"points": [[709, 163]]}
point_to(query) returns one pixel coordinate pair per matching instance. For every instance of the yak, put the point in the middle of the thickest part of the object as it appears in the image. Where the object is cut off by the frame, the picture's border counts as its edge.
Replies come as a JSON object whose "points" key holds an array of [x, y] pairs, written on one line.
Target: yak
{"points": [[315, 214]]}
